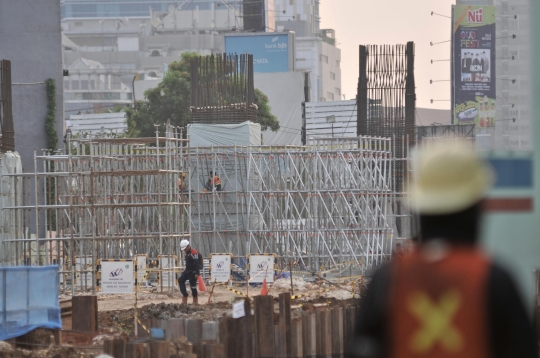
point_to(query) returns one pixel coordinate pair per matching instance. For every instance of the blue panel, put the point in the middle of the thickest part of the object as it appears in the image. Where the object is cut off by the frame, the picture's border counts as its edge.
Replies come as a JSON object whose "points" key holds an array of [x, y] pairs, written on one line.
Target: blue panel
{"points": [[270, 53], [512, 173], [30, 297]]}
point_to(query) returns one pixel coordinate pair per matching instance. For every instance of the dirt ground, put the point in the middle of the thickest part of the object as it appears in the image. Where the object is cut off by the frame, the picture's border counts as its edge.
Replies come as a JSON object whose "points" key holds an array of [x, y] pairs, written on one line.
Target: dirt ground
{"points": [[116, 312]]}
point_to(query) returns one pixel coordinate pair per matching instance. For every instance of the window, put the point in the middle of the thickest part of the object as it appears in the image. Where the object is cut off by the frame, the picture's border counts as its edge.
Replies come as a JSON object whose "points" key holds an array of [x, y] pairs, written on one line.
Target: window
{"points": [[330, 96], [324, 58], [338, 92], [155, 53], [332, 75], [338, 63]]}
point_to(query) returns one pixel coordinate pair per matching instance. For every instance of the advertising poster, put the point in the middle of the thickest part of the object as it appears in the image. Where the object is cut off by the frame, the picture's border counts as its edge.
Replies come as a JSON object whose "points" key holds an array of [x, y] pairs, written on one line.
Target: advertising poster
{"points": [[220, 268], [117, 276], [167, 264], [270, 52], [259, 265], [474, 65]]}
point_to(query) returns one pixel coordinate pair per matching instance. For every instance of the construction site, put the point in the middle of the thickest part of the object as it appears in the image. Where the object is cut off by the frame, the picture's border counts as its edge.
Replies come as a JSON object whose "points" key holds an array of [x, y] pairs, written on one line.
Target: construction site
{"points": [[288, 237], [309, 223]]}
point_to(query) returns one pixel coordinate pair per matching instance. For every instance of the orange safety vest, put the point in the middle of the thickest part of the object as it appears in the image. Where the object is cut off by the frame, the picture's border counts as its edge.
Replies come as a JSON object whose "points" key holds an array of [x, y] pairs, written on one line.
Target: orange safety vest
{"points": [[439, 309], [216, 180]]}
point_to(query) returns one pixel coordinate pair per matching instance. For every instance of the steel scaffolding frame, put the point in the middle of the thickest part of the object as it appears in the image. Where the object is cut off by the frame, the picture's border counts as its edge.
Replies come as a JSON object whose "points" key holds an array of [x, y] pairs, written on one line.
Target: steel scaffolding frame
{"points": [[331, 202], [327, 203], [105, 198]]}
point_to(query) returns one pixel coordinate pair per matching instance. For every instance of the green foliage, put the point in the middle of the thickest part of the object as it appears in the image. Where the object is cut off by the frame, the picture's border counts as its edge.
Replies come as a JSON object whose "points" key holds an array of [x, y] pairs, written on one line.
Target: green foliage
{"points": [[52, 136], [171, 100], [264, 113]]}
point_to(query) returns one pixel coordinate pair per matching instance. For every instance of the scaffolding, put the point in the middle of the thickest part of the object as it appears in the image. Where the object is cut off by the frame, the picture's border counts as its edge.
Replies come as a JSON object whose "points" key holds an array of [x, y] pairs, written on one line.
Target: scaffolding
{"points": [[327, 204], [106, 198]]}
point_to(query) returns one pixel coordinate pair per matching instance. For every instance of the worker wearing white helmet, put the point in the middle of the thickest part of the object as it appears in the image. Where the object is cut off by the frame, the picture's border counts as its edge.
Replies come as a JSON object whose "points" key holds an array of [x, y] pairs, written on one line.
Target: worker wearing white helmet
{"points": [[191, 273]]}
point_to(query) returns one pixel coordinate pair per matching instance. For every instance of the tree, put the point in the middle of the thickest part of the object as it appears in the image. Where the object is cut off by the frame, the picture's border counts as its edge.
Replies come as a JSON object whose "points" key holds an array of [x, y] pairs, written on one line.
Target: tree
{"points": [[171, 100], [264, 113]]}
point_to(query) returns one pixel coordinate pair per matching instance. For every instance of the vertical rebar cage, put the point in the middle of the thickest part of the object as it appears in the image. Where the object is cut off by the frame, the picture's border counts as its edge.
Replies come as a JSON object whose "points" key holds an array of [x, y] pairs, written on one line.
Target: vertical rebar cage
{"points": [[7, 142], [387, 98], [222, 89]]}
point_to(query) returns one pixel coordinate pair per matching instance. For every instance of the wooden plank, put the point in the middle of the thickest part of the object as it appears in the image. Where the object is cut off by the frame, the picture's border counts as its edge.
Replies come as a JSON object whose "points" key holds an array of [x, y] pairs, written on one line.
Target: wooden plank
{"points": [[136, 350], [210, 331], [309, 335], [264, 326], [85, 314], [214, 350], [227, 335], [159, 349], [244, 328], [337, 331], [115, 347], [296, 338], [194, 330], [324, 334], [279, 346], [285, 321]]}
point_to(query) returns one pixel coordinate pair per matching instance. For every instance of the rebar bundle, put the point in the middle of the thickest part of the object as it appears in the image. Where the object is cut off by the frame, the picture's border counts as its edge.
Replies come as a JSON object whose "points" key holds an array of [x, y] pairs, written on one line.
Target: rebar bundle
{"points": [[7, 142], [386, 97], [222, 89]]}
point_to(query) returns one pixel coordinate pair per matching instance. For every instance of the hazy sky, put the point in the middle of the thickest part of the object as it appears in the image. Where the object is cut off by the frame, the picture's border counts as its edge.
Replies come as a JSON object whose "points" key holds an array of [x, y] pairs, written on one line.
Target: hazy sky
{"points": [[378, 22]]}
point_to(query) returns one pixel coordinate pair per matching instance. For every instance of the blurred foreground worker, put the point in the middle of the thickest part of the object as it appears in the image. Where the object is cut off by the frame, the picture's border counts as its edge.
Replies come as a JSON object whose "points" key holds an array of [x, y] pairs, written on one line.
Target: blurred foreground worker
{"points": [[191, 272], [446, 298]]}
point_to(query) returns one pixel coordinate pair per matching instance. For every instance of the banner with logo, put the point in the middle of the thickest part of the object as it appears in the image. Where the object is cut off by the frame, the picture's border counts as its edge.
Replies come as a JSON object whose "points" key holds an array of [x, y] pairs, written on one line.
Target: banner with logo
{"points": [[117, 276], [261, 266], [271, 51], [220, 268], [474, 65]]}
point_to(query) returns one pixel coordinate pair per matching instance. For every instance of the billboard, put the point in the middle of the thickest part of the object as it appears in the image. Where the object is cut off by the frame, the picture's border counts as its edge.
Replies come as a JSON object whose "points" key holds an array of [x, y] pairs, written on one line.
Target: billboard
{"points": [[117, 276], [270, 51], [474, 65]]}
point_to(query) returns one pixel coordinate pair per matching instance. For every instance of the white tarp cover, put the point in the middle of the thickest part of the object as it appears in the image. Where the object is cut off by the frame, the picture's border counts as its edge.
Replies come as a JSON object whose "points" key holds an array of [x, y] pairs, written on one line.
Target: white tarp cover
{"points": [[206, 135], [285, 92]]}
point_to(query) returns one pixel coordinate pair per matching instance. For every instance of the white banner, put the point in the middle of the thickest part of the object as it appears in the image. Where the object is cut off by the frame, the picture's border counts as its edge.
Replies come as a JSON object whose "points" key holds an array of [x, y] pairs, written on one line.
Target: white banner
{"points": [[258, 266], [84, 264], [220, 268], [166, 262], [117, 276], [141, 268]]}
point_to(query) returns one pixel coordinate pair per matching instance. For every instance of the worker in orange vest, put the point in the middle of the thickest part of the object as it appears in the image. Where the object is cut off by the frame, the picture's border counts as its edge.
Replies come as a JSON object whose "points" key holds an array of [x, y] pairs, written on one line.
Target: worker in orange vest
{"points": [[446, 298]]}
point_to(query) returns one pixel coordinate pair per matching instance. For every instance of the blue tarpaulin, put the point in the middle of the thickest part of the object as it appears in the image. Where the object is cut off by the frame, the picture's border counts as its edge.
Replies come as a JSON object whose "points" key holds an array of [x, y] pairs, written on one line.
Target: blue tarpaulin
{"points": [[28, 300]]}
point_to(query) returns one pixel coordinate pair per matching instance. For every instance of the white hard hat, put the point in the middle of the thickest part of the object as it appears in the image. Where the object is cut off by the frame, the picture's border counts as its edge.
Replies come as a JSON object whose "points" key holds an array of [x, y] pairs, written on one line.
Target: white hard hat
{"points": [[447, 178], [184, 244]]}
